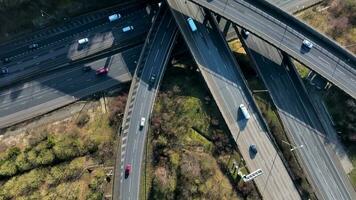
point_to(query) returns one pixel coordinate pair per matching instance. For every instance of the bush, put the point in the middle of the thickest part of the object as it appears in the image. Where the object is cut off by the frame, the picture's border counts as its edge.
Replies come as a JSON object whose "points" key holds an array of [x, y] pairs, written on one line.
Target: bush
{"points": [[22, 163], [82, 119], [8, 168]]}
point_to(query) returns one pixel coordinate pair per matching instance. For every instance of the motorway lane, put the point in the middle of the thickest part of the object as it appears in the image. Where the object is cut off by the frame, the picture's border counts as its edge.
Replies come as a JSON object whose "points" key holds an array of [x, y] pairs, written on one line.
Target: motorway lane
{"points": [[133, 138], [101, 38], [229, 91], [301, 122], [79, 26], [24, 101], [325, 60], [292, 6]]}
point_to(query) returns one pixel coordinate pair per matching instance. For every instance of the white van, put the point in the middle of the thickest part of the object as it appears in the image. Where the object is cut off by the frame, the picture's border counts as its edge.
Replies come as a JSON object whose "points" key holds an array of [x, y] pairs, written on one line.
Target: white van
{"points": [[127, 28], [244, 111], [114, 17], [142, 122], [83, 41], [192, 25]]}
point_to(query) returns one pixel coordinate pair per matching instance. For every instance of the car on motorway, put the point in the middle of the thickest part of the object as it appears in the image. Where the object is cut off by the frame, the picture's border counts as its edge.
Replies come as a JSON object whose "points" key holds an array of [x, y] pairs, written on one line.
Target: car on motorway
{"points": [[102, 70], [253, 149], [152, 79], [86, 68], [6, 60], [142, 122], [307, 44], [192, 25], [245, 33], [127, 28], [244, 111], [83, 41], [128, 169], [114, 17], [33, 46], [4, 71]]}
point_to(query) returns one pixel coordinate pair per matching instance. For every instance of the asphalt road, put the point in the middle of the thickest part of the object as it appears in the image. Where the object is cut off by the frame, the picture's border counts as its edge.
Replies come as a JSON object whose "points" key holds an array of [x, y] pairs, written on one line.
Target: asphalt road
{"points": [[140, 104], [229, 90], [325, 58], [101, 38], [73, 27], [61, 87], [301, 122], [292, 6]]}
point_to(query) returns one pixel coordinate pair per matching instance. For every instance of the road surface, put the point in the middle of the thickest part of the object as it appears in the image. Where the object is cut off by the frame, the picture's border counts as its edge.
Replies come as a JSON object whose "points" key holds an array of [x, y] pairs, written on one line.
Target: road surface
{"points": [[59, 88], [229, 90], [283, 31], [142, 94], [301, 122]]}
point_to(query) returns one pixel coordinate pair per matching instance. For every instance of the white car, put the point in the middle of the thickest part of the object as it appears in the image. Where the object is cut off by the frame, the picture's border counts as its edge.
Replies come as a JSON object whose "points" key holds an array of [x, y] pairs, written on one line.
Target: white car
{"points": [[142, 123], [83, 41], [127, 28], [307, 44], [244, 111], [114, 17]]}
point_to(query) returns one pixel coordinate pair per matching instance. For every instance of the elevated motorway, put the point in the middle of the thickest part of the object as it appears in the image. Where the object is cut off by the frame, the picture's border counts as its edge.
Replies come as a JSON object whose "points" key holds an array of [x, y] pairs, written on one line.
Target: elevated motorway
{"points": [[229, 90], [49, 92], [152, 63], [301, 121], [287, 33]]}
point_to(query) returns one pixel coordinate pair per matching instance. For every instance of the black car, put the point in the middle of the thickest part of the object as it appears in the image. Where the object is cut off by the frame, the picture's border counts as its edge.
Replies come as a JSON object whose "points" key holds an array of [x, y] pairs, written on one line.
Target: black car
{"points": [[253, 149], [6, 60], [33, 46], [4, 71], [86, 68], [245, 33], [153, 79]]}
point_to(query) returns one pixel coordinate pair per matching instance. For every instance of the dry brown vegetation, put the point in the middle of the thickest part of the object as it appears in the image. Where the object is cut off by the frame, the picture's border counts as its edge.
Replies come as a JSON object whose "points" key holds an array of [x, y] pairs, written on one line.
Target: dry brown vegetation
{"points": [[338, 21], [190, 152]]}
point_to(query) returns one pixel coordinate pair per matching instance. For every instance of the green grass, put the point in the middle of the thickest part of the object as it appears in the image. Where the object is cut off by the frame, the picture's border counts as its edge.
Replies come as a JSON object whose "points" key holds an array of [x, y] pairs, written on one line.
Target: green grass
{"points": [[301, 69]]}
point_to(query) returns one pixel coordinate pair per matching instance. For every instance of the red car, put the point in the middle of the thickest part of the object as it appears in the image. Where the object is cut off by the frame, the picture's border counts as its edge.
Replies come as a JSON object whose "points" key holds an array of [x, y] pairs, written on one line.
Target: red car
{"points": [[102, 70], [128, 168]]}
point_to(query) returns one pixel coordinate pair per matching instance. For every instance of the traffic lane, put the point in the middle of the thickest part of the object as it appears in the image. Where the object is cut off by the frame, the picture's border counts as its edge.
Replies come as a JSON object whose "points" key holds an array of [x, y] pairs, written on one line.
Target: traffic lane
{"points": [[139, 19], [64, 82], [66, 26], [136, 137], [40, 93], [126, 14], [280, 35], [247, 132], [294, 114], [60, 56], [332, 162]]}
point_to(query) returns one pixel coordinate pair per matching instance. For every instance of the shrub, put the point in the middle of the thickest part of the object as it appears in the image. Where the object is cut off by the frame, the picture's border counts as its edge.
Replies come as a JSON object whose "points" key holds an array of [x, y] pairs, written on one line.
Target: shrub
{"points": [[22, 163], [82, 119], [8, 168]]}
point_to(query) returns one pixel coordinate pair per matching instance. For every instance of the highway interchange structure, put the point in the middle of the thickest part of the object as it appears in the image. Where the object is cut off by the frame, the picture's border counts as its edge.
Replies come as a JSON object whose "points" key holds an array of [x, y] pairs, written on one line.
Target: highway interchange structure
{"points": [[226, 83], [285, 32]]}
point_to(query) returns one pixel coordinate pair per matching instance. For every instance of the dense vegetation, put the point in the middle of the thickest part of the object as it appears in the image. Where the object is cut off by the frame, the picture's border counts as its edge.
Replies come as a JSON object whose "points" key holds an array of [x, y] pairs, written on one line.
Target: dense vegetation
{"points": [[191, 152], [63, 160]]}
